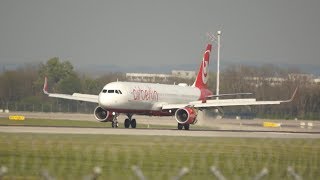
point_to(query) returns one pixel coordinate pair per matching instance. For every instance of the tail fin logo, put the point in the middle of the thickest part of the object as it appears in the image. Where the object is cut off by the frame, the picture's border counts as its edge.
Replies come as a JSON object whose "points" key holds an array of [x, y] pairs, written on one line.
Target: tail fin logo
{"points": [[205, 64], [203, 73]]}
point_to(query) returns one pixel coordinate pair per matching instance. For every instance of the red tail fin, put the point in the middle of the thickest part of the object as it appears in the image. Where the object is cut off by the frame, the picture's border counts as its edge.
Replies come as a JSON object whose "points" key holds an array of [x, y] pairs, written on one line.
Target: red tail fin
{"points": [[203, 74]]}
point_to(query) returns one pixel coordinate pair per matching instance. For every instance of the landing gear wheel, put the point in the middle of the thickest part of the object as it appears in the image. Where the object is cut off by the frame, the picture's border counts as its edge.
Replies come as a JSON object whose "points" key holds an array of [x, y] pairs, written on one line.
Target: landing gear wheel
{"points": [[180, 126], [115, 124], [133, 123], [186, 126], [127, 123]]}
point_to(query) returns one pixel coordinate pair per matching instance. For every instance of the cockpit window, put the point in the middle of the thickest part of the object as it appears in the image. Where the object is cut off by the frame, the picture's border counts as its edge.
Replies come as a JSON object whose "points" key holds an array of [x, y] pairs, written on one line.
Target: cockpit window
{"points": [[111, 91]]}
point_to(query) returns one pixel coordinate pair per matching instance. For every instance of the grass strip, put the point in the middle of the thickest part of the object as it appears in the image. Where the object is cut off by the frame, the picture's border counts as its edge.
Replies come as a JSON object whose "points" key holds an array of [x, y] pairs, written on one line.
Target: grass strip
{"points": [[159, 157]]}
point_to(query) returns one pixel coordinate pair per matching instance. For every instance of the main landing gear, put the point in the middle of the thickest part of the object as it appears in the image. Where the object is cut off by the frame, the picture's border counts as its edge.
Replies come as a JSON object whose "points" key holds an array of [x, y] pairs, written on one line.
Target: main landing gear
{"points": [[130, 122], [185, 126], [127, 122]]}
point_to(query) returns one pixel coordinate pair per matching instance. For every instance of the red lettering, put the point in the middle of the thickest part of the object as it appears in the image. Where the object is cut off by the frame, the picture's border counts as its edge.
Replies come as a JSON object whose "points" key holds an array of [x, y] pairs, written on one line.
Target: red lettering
{"points": [[134, 94], [144, 94]]}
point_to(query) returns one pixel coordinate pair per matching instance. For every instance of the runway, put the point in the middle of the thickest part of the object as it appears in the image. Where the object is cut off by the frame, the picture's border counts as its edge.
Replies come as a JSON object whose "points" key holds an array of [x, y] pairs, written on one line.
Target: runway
{"points": [[155, 132], [216, 124], [214, 127]]}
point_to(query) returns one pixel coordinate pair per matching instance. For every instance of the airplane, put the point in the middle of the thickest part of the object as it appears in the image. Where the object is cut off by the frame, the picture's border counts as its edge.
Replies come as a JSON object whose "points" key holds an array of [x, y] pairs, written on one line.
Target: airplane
{"points": [[153, 99]]}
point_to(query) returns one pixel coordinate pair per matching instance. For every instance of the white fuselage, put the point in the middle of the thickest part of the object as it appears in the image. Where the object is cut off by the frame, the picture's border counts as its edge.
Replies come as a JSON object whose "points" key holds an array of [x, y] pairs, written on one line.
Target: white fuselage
{"points": [[144, 96]]}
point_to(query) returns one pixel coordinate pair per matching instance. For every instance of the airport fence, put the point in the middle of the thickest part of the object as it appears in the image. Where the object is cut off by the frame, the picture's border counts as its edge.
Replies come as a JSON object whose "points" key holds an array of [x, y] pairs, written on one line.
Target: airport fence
{"points": [[31, 156], [87, 108], [71, 107]]}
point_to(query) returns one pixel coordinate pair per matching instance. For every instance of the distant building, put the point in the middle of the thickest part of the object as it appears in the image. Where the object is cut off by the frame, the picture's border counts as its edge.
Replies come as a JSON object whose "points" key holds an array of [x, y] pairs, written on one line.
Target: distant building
{"points": [[145, 77], [258, 81], [183, 74], [305, 77], [316, 80], [276, 81]]}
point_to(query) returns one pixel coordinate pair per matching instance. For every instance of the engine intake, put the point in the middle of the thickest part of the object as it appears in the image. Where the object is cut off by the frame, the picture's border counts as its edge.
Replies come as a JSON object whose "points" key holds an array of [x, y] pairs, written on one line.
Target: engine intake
{"points": [[102, 115], [186, 115]]}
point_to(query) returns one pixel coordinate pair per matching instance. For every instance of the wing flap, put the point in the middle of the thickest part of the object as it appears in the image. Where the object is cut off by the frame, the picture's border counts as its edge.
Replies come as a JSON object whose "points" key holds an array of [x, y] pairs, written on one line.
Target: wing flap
{"points": [[91, 98], [220, 103], [227, 102], [235, 103], [209, 103]]}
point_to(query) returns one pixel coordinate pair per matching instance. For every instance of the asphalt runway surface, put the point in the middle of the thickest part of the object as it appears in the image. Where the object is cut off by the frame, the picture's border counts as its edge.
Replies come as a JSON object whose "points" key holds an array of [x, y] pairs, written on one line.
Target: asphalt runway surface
{"points": [[213, 127], [155, 132]]}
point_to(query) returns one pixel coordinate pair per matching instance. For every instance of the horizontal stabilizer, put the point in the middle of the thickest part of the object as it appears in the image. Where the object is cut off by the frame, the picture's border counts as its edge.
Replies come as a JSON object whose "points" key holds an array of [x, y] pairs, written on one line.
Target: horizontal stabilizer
{"points": [[232, 94]]}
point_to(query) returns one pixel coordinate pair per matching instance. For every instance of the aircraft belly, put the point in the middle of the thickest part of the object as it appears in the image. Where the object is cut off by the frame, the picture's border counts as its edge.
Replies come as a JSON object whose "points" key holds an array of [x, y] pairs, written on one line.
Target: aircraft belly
{"points": [[137, 105]]}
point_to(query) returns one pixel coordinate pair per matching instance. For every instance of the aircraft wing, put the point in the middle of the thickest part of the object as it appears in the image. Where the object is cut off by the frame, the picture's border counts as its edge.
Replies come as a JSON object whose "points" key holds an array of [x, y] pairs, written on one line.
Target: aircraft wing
{"points": [[74, 96], [226, 102]]}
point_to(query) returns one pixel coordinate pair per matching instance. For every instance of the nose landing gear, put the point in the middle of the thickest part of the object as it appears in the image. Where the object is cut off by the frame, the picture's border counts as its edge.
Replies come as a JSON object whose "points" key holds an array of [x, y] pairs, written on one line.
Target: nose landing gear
{"points": [[114, 122]]}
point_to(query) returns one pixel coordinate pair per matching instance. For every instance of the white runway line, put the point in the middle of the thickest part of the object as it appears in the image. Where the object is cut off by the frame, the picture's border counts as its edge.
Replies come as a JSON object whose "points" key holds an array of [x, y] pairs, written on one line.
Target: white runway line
{"points": [[152, 132]]}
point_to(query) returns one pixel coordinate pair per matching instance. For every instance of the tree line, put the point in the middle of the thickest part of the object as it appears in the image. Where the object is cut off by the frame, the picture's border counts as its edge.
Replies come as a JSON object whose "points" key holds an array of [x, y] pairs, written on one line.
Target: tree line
{"points": [[268, 82]]}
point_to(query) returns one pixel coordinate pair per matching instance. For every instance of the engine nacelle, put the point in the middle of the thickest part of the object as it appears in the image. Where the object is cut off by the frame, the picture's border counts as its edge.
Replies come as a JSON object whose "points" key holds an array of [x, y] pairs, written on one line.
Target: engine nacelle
{"points": [[102, 115], [186, 115]]}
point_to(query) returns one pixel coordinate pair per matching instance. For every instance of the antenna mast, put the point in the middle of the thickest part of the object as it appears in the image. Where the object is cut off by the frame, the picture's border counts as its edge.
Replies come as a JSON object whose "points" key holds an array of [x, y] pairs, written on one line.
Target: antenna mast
{"points": [[218, 65]]}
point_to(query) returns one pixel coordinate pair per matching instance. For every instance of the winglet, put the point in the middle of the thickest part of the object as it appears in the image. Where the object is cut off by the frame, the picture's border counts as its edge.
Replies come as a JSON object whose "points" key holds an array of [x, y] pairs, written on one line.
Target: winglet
{"points": [[293, 95], [45, 86]]}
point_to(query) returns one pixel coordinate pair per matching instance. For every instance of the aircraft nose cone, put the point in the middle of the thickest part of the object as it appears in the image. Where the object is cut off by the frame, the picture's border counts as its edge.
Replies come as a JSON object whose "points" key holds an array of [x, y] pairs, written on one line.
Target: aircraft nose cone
{"points": [[103, 101]]}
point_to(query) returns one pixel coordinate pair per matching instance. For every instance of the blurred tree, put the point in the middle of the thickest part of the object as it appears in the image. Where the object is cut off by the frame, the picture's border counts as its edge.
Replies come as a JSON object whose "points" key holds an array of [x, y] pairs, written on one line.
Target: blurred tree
{"points": [[17, 84], [69, 84], [111, 77], [56, 70], [59, 74], [90, 86]]}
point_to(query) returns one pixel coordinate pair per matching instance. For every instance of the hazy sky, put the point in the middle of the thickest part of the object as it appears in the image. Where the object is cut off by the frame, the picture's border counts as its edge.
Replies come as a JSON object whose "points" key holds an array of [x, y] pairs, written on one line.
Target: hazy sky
{"points": [[156, 33]]}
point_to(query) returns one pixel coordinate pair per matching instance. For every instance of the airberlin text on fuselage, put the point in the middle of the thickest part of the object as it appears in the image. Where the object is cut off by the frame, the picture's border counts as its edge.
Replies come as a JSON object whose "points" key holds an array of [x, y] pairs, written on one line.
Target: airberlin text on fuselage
{"points": [[144, 94]]}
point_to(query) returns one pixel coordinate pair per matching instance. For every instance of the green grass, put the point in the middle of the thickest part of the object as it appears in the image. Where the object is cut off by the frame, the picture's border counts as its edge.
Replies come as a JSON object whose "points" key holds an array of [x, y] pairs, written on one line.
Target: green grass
{"points": [[159, 157], [77, 123], [51, 122]]}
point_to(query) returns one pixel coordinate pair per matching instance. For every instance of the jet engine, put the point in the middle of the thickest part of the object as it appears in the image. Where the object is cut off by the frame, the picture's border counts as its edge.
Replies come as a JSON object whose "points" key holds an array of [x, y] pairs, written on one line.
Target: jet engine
{"points": [[186, 115], [102, 115]]}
